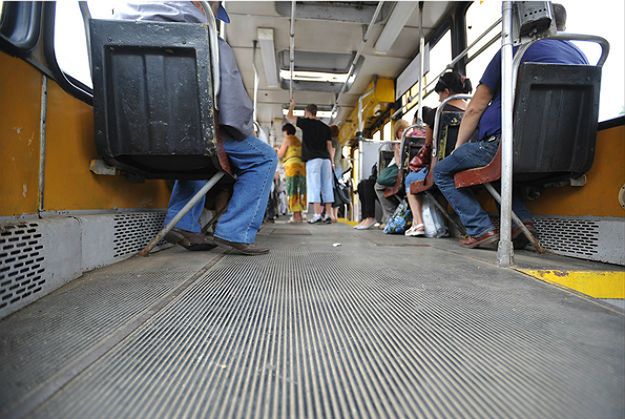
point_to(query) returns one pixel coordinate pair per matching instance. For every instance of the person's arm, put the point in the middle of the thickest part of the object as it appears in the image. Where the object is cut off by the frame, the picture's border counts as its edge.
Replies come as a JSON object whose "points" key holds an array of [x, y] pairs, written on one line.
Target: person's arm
{"points": [[479, 102], [429, 134], [330, 151], [283, 147], [289, 116]]}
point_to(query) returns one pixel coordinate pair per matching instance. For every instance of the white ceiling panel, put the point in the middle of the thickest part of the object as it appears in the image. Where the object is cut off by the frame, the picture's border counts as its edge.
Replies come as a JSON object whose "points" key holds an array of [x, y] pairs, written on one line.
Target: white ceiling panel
{"points": [[317, 35]]}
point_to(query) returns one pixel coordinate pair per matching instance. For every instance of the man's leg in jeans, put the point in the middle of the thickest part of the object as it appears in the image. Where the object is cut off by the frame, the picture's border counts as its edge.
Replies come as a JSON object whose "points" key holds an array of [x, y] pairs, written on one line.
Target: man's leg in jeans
{"points": [[254, 163], [181, 194], [470, 155]]}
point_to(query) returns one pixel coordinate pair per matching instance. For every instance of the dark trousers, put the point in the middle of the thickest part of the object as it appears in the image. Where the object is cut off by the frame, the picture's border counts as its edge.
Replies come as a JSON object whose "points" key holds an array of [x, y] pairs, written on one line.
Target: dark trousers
{"points": [[366, 194]]}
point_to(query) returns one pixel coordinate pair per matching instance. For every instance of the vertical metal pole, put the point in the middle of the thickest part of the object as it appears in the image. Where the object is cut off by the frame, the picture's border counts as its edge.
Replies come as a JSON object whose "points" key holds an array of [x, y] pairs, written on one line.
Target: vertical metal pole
{"points": [[292, 48], [421, 63], [255, 43], [505, 251], [222, 25], [42, 142]]}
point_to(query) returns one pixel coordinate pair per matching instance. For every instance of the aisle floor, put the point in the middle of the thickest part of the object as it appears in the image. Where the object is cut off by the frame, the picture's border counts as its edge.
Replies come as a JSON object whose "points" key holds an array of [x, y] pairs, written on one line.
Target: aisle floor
{"points": [[332, 323]]}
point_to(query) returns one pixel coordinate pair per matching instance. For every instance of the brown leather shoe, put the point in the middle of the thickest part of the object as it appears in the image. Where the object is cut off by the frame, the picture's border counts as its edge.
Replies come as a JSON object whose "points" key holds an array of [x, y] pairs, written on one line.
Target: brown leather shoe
{"points": [[242, 248], [485, 241], [189, 240], [518, 238]]}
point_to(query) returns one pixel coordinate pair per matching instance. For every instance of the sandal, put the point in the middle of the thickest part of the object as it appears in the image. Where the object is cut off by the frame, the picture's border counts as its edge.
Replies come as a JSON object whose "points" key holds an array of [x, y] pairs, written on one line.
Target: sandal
{"points": [[415, 231]]}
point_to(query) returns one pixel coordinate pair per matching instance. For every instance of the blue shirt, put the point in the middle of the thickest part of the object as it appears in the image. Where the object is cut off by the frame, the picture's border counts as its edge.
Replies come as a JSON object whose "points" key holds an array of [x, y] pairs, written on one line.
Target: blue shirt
{"points": [[553, 51]]}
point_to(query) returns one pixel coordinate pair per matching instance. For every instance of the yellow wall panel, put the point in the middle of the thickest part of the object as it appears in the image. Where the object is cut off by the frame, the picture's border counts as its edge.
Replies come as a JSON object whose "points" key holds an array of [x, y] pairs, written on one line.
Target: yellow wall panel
{"points": [[70, 146], [20, 109], [599, 197]]}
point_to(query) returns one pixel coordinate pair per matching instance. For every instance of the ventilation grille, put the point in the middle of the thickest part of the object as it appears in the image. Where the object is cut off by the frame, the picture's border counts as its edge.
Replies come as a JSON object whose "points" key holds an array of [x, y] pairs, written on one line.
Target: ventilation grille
{"points": [[134, 231], [571, 237], [21, 262]]}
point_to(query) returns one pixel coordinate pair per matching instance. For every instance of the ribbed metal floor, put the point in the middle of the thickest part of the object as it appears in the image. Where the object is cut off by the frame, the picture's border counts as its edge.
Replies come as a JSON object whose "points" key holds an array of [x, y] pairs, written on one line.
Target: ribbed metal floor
{"points": [[359, 330]]}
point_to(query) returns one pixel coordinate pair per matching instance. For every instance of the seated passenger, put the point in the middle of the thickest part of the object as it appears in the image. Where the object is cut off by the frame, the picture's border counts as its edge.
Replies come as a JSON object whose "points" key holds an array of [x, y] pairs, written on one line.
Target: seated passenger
{"points": [[367, 197], [390, 204], [484, 114], [449, 84], [254, 162]]}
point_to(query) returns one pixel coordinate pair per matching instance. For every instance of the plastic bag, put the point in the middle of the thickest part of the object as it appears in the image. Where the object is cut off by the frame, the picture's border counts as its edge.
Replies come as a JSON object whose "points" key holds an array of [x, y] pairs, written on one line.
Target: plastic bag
{"points": [[433, 220]]}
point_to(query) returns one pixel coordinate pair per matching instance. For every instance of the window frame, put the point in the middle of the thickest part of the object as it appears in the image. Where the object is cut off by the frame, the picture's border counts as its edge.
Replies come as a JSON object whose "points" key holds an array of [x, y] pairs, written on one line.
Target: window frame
{"points": [[20, 27], [74, 87]]}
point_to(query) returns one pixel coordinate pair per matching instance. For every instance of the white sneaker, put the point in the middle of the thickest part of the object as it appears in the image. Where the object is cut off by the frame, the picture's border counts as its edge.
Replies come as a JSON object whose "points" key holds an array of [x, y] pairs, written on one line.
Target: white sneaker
{"points": [[316, 219], [415, 231]]}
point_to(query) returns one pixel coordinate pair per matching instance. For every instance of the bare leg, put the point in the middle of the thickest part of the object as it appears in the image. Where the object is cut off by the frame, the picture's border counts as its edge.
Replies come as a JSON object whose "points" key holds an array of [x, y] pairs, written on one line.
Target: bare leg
{"points": [[317, 208], [330, 212], [415, 206]]}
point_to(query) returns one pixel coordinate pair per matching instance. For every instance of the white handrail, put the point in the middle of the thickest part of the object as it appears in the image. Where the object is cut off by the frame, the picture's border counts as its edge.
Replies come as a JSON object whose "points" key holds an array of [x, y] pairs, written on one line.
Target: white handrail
{"points": [[214, 51], [292, 48], [365, 38]]}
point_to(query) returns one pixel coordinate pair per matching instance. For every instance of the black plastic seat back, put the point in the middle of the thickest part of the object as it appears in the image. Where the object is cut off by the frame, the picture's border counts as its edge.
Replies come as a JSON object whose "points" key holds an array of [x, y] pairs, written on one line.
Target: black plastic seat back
{"points": [[385, 158], [555, 120], [448, 129], [153, 98]]}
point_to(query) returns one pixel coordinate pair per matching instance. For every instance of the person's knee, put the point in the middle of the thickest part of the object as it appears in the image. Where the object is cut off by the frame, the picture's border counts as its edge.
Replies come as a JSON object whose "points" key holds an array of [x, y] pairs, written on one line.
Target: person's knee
{"points": [[439, 173]]}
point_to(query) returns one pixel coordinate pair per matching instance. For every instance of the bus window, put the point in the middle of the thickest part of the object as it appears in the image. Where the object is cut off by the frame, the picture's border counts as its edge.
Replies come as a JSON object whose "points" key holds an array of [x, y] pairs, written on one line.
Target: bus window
{"points": [[479, 16], [440, 56], [376, 136], [387, 132], [606, 22], [580, 19], [70, 44]]}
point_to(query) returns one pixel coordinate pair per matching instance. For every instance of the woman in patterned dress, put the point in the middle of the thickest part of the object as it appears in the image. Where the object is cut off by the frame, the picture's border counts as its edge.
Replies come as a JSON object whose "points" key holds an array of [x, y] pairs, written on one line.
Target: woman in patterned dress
{"points": [[290, 154]]}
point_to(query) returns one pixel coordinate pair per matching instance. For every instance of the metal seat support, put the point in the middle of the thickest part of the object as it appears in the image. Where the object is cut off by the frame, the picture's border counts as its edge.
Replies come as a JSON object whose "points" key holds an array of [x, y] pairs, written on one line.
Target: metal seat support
{"points": [[194, 200]]}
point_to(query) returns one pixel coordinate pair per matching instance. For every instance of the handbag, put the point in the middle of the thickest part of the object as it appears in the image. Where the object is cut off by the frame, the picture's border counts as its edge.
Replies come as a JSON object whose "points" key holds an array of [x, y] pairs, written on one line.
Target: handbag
{"points": [[341, 194], [388, 175], [422, 159]]}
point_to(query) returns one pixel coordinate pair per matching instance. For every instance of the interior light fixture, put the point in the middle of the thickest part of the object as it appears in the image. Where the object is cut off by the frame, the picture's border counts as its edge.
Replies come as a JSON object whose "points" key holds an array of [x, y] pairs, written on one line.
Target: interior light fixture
{"points": [[316, 76], [300, 112], [268, 55], [401, 13]]}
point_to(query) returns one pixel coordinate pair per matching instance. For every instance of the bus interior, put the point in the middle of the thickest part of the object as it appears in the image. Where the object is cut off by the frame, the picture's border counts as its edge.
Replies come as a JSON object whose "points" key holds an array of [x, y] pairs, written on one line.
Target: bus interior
{"points": [[101, 317]]}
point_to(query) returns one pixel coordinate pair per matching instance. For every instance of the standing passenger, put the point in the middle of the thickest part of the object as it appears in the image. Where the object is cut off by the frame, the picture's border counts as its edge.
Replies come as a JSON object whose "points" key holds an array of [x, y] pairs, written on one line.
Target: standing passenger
{"points": [[318, 153], [254, 162], [291, 154]]}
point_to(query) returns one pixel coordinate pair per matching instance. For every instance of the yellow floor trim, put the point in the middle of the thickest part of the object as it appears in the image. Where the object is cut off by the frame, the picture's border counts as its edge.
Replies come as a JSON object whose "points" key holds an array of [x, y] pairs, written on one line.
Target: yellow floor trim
{"points": [[346, 221], [593, 283]]}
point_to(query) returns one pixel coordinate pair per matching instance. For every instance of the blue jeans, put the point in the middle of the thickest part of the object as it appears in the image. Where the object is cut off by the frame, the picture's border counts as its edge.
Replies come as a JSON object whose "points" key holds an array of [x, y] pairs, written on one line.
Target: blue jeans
{"points": [[319, 182], [413, 177], [254, 162], [473, 217]]}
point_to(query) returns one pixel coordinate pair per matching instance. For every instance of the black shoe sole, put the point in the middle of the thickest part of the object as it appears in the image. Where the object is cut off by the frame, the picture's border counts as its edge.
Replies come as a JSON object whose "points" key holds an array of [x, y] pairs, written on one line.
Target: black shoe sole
{"points": [[180, 240], [231, 248]]}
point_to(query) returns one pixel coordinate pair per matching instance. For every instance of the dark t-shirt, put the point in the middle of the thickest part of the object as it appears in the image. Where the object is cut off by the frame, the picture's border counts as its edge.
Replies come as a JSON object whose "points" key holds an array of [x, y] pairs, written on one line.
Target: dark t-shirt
{"points": [[429, 114], [315, 135], [553, 51]]}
